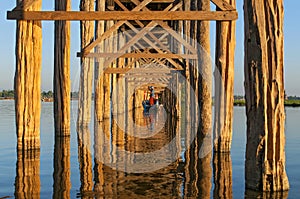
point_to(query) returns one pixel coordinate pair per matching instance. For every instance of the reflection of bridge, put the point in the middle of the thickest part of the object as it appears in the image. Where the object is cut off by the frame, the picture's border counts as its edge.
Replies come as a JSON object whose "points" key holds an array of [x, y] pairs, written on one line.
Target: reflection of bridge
{"points": [[135, 43]]}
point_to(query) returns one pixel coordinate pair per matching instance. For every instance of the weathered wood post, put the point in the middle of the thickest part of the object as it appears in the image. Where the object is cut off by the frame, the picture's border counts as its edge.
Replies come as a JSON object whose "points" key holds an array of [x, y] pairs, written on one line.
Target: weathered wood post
{"points": [[87, 65], [27, 83], [62, 83], [205, 77], [264, 86], [99, 66], [204, 99], [224, 75]]}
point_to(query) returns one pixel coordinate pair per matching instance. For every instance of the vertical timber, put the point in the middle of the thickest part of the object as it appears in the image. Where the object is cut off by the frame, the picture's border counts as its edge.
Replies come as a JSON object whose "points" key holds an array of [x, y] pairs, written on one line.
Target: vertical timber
{"points": [[204, 94], [62, 83], [224, 75], [205, 75], [99, 65], [27, 83], [87, 64], [264, 86]]}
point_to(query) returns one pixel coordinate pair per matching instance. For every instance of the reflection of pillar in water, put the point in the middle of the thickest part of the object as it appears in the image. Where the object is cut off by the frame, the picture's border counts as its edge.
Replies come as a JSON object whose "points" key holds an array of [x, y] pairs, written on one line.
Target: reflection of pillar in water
{"points": [[198, 173], [98, 152], [27, 182], [222, 175], [102, 155], [85, 159], [250, 194], [204, 176], [61, 175]]}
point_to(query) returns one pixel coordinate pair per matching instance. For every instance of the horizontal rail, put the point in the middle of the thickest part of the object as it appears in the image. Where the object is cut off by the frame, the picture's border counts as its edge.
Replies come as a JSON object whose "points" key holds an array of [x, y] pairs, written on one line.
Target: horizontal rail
{"points": [[122, 15], [141, 55]]}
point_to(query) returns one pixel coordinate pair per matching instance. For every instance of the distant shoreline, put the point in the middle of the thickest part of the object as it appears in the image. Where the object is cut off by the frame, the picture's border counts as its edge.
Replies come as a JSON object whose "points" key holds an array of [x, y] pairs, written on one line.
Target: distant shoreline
{"points": [[287, 103], [237, 102]]}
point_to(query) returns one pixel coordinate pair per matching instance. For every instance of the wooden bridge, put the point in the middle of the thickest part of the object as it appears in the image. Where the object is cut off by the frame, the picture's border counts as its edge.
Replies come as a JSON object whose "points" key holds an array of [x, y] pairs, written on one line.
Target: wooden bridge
{"points": [[129, 41]]}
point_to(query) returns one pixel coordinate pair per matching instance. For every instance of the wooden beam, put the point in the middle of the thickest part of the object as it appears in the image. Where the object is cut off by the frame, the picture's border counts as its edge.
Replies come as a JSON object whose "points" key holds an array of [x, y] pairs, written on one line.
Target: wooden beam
{"points": [[116, 70], [137, 70], [223, 5], [143, 55], [153, 1], [123, 15], [143, 75]]}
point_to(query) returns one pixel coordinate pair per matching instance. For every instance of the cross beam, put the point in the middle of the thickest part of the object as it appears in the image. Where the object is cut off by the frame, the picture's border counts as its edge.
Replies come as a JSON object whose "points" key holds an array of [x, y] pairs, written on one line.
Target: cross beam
{"points": [[122, 15], [143, 55]]}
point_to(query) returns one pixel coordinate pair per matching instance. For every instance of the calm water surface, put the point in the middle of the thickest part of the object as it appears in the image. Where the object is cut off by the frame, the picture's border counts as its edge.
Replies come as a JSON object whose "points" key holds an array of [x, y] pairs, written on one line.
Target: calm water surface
{"points": [[76, 164]]}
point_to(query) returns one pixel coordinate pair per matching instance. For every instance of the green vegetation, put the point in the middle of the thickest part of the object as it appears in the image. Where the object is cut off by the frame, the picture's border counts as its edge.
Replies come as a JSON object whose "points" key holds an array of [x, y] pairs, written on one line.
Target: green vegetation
{"points": [[292, 103], [48, 94], [239, 102], [287, 103], [7, 94]]}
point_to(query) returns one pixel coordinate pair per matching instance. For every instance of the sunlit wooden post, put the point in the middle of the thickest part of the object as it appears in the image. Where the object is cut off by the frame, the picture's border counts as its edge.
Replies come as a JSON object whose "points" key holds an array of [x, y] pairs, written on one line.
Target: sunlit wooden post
{"points": [[224, 75], [99, 66], [264, 88], [87, 65], [27, 83], [62, 82], [205, 74]]}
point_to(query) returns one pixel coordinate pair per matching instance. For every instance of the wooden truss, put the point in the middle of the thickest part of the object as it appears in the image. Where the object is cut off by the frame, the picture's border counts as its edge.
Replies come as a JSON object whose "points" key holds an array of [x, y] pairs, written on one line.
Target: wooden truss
{"points": [[146, 30]]}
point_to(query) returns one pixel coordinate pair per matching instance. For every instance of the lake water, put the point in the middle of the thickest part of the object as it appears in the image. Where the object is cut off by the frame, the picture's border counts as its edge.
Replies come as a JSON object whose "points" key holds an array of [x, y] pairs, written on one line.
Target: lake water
{"points": [[77, 166]]}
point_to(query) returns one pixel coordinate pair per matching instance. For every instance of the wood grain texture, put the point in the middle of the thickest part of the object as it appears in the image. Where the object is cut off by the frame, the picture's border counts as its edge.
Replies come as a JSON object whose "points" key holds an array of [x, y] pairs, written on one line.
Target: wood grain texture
{"points": [[62, 82], [224, 76], [123, 15], [27, 83], [264, 88], [87, 68]]}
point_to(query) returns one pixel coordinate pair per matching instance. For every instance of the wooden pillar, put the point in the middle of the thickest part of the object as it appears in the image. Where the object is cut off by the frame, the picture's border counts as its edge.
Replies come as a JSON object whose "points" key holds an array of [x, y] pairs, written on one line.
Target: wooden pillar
{"points": [[205, 73], [27, 83], [224, 75], [99, 76], [264, 87], [62, 83], [87, 64]]}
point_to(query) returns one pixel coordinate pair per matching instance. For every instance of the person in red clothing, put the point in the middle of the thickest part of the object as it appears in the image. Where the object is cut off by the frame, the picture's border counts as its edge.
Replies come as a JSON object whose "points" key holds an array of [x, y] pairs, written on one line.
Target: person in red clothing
{"points": [[151, 100]]}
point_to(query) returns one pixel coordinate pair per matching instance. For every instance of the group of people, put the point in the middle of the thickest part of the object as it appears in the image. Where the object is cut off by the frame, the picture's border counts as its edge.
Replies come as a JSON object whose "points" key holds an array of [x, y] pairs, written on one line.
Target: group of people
{"points": [[153, 99]]}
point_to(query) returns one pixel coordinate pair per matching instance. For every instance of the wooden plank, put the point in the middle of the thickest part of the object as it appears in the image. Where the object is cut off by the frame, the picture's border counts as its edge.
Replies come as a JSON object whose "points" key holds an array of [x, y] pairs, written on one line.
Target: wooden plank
{"points": [[116, 70], [24, 5], [223, 5], [123, 15], [153, 1], [137, 70], [144, 55]]}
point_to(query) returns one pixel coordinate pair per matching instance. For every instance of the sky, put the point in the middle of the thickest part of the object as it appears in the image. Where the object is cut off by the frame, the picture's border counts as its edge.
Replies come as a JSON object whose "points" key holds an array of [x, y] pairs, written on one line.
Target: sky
{"points": [[7, 47]]}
